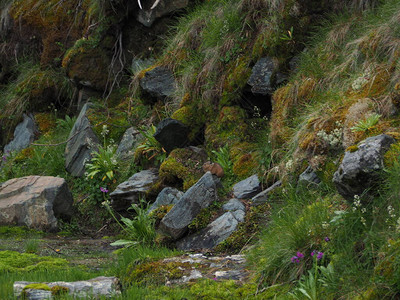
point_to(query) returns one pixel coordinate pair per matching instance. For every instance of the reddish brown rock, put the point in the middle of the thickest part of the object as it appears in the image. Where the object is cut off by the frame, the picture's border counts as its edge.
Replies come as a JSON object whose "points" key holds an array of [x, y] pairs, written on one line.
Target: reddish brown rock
{"points": [[35, 201]]}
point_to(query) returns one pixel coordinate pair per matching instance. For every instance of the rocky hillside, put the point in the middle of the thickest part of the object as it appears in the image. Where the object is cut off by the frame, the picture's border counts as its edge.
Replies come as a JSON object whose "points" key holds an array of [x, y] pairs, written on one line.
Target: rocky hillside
{"points": [[267, 128]]}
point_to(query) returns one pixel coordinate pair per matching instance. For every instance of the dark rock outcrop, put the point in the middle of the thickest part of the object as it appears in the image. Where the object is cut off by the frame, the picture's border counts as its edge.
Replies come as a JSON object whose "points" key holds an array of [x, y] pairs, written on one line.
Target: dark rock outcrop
{"points": [[196, 198], [261, 76], [171, 134], [82, 141], [35, 201], [359, 170], [24, 134], [158, 83]]}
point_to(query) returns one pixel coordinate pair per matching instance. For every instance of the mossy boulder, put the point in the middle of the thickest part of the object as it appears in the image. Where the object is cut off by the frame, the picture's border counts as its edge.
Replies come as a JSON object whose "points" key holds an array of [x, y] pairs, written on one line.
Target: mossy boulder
{"points": [[183, 167], [228, 128]]}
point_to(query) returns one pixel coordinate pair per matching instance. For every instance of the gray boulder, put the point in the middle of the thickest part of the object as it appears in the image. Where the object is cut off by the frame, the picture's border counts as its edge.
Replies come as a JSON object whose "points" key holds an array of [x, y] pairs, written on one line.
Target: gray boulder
{"points": [[147, 16], [262, 197], [171, 134], [24, 134], [128, 144], [247, 188], [35, 201], [129, 191], [261, 76], [208, 238], [167, 196], [233, 204], [308, 178], [99, 287], [359, 170], [82, 141], [199, 196], [158, 83]]}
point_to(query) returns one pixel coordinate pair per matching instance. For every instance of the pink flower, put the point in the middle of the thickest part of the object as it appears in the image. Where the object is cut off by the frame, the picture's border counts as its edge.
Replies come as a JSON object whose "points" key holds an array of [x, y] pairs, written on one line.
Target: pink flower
{"points": [[104, 190], [320, 255], [299, 254]]}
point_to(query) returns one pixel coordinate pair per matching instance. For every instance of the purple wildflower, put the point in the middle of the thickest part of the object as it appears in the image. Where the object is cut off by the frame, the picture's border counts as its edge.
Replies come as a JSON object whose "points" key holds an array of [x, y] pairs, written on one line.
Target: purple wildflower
{"points": [[313, 253], [299, 254], [4, 158], [320, 255], [104, 190], [295, 259], [327, 239]]}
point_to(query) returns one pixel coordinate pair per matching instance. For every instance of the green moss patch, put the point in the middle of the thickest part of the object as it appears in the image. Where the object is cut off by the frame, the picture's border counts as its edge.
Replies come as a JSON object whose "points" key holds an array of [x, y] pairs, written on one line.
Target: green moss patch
{"points": [[11, 261]]}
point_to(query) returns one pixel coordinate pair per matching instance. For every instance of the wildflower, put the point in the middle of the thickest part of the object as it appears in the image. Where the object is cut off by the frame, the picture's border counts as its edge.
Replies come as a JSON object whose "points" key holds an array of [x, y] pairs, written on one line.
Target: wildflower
{"points": [[4, 158], [320, 255], [104, 190], [299, 254], [295, 259], [327, 239], [313, 253]]}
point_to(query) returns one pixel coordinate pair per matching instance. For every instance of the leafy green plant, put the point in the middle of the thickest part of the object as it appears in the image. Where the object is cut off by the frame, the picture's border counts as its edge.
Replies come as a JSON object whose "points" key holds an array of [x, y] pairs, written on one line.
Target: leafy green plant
{"points": [[151, 148], [223, 157], [366, 124], [31, 246], [104, 162], [139, 230], [67, 123]]}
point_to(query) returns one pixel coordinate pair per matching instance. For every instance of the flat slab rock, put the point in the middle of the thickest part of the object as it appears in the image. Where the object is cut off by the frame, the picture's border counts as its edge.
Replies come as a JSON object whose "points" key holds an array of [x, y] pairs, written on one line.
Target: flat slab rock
{"points": [[247, 188], [108, 287], [129, 191], [35, 201], [217, 268]]}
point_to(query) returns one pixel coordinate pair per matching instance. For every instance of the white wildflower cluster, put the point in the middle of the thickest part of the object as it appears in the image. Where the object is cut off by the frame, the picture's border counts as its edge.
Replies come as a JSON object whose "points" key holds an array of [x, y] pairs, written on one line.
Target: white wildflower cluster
{"points": [[289, 164], [104, 131], [333, 138], [361, 81], [391, 212], [358, 206]]}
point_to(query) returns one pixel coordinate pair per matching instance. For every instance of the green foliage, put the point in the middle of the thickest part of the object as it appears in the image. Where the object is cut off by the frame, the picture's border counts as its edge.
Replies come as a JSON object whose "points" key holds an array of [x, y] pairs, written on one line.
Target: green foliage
{"points": [[31, 246], [18, 232], [367, 124], [139, 230], [103, 164], [222, 156], [151, 149]]}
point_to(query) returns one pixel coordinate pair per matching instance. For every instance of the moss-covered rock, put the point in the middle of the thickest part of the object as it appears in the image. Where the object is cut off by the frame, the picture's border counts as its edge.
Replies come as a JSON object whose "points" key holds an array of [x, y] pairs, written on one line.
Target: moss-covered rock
{"points": [[183, 167]]}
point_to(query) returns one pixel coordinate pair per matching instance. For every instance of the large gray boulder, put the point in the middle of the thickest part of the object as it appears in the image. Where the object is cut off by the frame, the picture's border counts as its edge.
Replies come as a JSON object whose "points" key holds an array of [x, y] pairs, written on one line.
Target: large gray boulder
{"points": [[99, 287], [167, 196], [171, 134], [147, 16], [35, 201], [130, 191], [199, 196], [24, 134], [158, 83], [208, 238], [128, 144], [359, 170], [247, 188], [81, 142]]}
